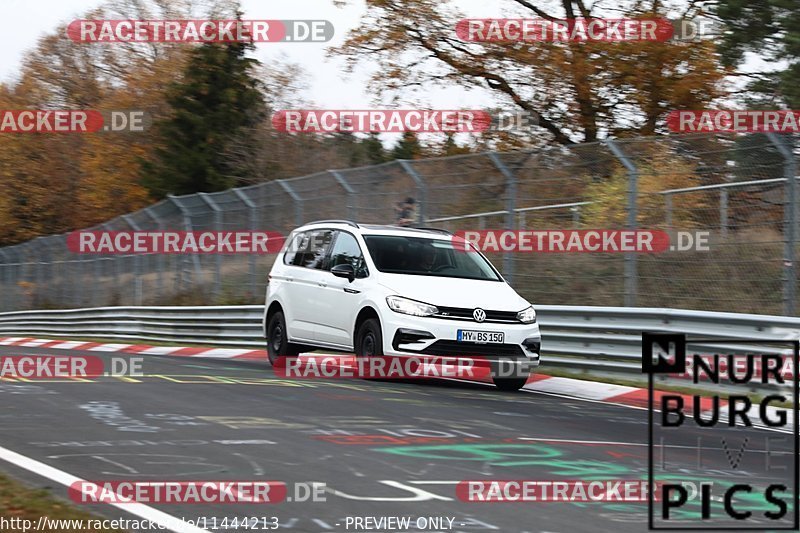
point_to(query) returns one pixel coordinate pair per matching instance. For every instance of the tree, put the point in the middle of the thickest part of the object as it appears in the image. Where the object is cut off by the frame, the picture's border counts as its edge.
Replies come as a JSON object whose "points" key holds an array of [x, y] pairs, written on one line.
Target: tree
{"points": [[216, 100], [769, 27], [579, 90], [408, 147], [659, 169], [56, 183], [374, 151]]}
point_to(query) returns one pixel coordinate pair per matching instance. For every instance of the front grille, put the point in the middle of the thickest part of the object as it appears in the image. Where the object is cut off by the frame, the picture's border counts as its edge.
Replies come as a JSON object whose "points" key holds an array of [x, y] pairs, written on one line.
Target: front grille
{"points": [[455, 348], [461, 313]]}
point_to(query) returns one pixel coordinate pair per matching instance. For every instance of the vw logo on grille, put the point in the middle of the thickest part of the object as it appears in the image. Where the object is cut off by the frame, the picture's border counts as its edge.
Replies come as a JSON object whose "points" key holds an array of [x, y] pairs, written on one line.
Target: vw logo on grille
{"points": [[479, 315]]}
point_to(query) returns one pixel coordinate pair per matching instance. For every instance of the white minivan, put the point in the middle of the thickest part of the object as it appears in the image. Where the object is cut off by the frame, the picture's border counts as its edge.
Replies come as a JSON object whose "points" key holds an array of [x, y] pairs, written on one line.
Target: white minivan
{"points": [[386, 290]]}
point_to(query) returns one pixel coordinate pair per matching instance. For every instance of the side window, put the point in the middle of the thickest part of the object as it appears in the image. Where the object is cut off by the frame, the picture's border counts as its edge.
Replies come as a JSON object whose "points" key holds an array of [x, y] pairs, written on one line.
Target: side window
{"points": [[347, 251], [320, 244], [295, 248], [309, 249]]}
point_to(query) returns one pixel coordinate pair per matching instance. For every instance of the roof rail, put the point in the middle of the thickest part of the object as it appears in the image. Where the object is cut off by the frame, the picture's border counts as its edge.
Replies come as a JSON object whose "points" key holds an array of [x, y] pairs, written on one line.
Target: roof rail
{"points": [[333, 221], [427, 228]]}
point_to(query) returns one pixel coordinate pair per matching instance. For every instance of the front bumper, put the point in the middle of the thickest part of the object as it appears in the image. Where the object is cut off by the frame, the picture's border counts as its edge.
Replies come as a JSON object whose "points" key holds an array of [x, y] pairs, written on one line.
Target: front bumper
{"points": [[410, 335]]}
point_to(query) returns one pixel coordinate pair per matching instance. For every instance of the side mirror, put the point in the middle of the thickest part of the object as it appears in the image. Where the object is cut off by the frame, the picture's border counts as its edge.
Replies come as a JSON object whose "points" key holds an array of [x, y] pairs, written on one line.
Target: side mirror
{"points": [[344, 270]]}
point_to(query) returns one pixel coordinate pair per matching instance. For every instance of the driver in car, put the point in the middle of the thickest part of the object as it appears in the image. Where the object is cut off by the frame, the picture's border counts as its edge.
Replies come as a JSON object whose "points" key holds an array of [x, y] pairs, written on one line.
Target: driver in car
{"points": [[427, 258]]}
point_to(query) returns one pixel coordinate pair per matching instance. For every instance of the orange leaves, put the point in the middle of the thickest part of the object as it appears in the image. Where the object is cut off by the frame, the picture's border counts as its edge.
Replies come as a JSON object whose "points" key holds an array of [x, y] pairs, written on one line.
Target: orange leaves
{"points": [[53, 183]]}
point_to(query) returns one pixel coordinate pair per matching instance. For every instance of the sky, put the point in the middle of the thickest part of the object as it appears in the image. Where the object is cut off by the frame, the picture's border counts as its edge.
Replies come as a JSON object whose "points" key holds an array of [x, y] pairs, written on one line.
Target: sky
{"points": [[328, 87]]}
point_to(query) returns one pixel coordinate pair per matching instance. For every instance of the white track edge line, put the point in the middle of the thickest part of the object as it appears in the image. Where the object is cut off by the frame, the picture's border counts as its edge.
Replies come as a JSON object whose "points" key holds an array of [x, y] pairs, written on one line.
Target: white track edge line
{"points": [[138, 509]]}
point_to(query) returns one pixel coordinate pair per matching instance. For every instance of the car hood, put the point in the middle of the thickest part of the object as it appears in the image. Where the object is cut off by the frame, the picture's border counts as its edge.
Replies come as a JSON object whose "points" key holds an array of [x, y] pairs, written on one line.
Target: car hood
{"points": [[455, 292]]}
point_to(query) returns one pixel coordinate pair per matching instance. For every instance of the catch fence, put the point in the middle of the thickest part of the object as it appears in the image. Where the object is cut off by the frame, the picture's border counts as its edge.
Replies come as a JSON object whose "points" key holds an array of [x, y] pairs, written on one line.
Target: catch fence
{"points": [[739, 189]]}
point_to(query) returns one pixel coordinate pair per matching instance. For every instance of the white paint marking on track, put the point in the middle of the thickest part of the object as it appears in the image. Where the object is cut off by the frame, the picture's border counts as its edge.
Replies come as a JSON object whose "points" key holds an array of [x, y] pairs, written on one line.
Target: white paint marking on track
{"points": [[34, 343], [591, 391], [68, 345], [160, 350], [110, 347], [222, 353], [161, 518]]}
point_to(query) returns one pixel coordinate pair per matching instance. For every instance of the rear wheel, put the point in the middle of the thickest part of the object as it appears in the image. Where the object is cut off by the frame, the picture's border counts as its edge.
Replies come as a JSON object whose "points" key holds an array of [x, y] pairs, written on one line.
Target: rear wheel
{"points": [[510, 384], [278, 345]]}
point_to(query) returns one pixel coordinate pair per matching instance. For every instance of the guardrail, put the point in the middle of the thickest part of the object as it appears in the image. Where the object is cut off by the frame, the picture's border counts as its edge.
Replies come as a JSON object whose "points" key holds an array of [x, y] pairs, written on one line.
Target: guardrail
{"points": [[593, 339]]}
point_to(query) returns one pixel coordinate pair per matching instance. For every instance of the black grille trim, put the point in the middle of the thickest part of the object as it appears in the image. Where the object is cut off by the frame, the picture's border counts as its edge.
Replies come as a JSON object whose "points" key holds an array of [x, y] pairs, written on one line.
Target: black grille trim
{"points": [[461, 313]]}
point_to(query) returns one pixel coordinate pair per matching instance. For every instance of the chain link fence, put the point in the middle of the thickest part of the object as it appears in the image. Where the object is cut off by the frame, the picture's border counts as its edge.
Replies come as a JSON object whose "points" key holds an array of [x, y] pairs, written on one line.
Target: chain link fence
{"points": [[742, 190]]}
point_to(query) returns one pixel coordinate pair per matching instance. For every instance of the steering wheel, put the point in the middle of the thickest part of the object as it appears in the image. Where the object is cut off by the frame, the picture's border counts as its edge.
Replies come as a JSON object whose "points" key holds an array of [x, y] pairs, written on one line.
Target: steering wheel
{"points": [[443, 267]]}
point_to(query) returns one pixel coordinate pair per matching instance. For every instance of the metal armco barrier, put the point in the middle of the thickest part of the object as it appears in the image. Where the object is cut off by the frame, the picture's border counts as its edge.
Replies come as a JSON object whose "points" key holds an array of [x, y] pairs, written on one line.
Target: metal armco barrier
{"points": [[595, 339]]}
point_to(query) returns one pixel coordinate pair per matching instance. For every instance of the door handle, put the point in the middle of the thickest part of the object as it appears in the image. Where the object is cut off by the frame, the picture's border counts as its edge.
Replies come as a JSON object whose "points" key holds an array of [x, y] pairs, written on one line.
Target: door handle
{"points": [[322, 284]]}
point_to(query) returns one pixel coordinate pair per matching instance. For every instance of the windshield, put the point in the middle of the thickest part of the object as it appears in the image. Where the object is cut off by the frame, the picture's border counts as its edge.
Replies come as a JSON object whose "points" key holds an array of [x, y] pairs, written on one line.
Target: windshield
{"points": [[427, 257]]}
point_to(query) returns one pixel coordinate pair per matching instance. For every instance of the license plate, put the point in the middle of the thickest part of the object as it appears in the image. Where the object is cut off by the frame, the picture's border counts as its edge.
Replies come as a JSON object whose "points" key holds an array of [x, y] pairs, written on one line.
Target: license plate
{"points": [[481, 337]]}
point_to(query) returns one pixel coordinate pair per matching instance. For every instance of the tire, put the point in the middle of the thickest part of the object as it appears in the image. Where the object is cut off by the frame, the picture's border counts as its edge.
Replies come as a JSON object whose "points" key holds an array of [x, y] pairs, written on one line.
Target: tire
{"points": [[510, 384], [369, 339], [278, 345]]}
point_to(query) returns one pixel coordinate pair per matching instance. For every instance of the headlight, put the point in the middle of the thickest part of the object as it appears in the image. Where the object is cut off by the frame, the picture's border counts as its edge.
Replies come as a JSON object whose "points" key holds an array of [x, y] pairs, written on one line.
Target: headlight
{"points": [[527, 316], [399, 304]]}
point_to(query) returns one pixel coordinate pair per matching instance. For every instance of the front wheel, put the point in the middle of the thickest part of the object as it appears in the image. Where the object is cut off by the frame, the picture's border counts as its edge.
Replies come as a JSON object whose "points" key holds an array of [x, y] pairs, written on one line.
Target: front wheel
{"points": [[510, 384], [278, 344], [369, 339]]}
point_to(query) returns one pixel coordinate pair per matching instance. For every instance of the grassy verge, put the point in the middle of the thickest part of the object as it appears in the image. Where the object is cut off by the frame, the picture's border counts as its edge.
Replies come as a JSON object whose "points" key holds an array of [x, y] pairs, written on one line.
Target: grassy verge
{"points": [[20, 502]]}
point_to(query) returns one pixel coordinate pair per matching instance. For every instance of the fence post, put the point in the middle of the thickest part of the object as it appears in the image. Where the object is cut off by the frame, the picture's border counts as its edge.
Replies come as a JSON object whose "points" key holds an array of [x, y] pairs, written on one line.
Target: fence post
{"points": [[217, 257], [631, 276], [723, 212], [252, 216], [351, 194], [422, 189], [38, 278], [786, 147], [114, 271], [160, 257], [298, 202], [23, 275], [4, 288], [668, 207], [187, 224], [511, 205], [137, 264]]}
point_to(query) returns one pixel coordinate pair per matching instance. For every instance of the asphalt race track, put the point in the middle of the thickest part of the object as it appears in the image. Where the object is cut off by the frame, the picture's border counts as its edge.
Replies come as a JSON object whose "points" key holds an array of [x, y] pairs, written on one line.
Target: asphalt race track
{"points": [[382, 448]]}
